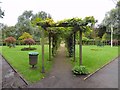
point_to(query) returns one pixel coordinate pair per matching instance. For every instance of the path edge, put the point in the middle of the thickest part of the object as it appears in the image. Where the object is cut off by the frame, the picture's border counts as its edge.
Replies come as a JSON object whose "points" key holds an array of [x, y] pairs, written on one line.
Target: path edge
{"points": [[100, 68], [15, 70]]}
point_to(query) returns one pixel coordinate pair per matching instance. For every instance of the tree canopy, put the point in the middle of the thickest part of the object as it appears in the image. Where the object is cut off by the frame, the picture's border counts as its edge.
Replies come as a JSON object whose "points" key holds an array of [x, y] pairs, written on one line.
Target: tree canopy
{"points": [[112, 18]]}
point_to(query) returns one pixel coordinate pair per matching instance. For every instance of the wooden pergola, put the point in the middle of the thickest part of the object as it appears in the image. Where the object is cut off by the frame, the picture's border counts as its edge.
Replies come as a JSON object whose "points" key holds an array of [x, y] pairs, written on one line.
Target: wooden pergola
{"points": [[76, 28]]}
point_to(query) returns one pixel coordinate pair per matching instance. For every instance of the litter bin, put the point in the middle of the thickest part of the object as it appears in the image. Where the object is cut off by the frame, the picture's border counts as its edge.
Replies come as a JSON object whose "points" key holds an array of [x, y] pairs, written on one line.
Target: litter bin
{"points": [[33, 58]]}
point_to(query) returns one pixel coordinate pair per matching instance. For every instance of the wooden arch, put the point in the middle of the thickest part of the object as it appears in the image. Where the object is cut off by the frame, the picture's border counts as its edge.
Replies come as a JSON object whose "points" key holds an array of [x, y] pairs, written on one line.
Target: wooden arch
{"points": [[76, 28]]}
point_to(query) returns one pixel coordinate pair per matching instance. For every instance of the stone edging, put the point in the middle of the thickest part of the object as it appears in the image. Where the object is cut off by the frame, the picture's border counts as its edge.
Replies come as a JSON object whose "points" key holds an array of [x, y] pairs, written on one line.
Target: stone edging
{"points": [[99, 68], [15, 71]]}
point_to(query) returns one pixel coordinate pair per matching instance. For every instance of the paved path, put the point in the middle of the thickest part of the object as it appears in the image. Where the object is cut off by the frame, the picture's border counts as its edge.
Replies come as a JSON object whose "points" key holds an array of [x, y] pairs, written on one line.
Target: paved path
{"points": [[62, 77], [10, 79]]}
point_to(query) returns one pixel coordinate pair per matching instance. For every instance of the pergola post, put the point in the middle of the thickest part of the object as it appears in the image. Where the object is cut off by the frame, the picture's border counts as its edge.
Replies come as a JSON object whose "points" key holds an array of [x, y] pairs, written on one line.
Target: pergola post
{"points": [[42, 42], [74, 46], [49, 46], [80, 47]]}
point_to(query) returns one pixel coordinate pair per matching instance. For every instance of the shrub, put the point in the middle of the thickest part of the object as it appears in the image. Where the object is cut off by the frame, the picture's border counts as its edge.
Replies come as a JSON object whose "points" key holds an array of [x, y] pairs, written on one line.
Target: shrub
{"points": [[10, 41], [80, 70], [29, 41], [115, 42], [25, 35], [85, 39]]}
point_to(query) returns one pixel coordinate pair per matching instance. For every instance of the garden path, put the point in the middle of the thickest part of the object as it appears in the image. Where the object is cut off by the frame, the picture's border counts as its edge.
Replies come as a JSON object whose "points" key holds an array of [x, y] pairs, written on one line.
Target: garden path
{"points": [[10, 79], [61, 76]]}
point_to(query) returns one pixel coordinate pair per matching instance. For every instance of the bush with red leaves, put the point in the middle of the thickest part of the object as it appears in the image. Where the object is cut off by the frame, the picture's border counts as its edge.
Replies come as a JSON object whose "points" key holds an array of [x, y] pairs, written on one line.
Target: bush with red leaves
{"points": [[29, 41], [10, 40], [115, 42]]}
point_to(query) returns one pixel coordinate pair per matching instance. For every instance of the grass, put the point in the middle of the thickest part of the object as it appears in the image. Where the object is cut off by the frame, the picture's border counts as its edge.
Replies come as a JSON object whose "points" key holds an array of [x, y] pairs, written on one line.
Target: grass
{"points": [[20, 61], [95, 57]]}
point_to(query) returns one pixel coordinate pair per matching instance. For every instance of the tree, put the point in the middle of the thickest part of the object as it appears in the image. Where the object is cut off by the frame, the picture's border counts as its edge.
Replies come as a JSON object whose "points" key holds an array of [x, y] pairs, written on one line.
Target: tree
{"points": [[118, 18], [43, 15], [24, 23], [29, 41], [1, 13], [8, 31], [113, 18], [24, 36], [101, 30], [10, 41]]}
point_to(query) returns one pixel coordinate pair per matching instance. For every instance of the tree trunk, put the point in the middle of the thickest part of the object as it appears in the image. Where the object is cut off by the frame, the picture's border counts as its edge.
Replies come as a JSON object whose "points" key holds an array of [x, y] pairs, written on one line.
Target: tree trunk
{"points": [[74, 46], [80, 47], [42, 42], [29, 46], [49, 46]]}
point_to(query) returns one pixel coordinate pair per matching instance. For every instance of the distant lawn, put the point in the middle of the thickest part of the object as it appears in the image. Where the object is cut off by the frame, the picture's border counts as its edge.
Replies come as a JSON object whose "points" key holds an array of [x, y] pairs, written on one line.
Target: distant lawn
{"points": [[20, 61], [95, 57]]}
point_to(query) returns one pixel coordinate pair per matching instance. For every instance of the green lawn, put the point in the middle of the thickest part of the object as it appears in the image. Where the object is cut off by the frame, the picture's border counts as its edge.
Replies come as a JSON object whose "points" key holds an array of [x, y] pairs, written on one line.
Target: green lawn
{"points": [[20, 61], [95, 57]]}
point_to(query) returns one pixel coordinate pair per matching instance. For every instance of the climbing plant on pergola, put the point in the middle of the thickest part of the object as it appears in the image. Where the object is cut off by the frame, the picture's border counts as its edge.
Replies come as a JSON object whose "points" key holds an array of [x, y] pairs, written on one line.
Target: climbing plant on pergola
{"points": [[77, 24]]}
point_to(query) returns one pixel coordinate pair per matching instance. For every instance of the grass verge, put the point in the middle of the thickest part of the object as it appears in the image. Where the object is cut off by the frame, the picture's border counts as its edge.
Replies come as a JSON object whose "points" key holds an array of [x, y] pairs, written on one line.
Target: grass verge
{"points": [[95, 57], [20, 61]]}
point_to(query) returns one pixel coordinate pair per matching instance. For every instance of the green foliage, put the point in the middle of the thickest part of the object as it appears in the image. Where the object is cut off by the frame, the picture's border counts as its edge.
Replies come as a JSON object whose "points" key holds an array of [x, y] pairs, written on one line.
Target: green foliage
{"points": [[25, 35], [104, 37], [80, 70], [24, 23], [113, 18], [55, 42], [1, 13], [8, 31], [101, 30], [77, 22], [85, 39]]}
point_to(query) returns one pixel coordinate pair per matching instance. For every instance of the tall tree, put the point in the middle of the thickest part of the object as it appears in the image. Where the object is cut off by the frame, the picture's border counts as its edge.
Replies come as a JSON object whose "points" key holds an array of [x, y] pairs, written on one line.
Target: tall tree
{"points": [[24, 23], [43, 15], [1, 13], [8, 31], [113, 18], [118, 18]]}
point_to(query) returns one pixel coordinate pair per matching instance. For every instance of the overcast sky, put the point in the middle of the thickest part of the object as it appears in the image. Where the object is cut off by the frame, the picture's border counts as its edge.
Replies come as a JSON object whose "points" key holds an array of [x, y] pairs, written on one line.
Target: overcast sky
{"points": [[59, 9]]}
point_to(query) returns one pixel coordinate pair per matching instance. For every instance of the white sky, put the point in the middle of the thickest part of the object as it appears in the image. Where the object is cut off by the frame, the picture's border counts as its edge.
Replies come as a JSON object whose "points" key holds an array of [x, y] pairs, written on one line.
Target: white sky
{"points": [[59, 9]]}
